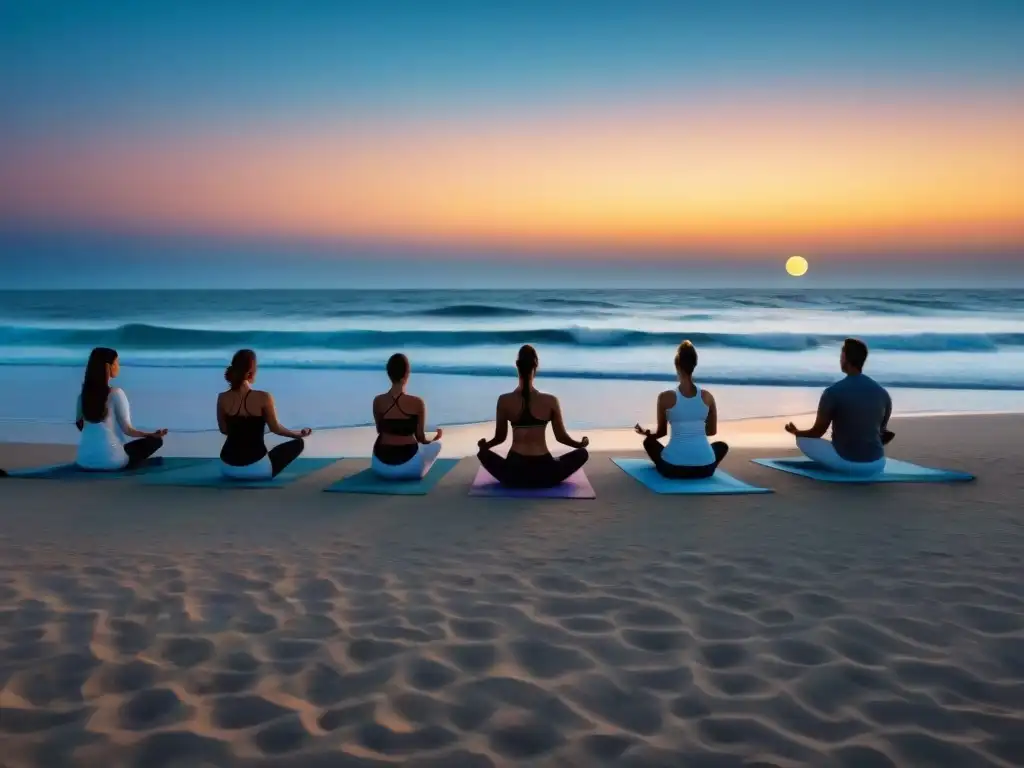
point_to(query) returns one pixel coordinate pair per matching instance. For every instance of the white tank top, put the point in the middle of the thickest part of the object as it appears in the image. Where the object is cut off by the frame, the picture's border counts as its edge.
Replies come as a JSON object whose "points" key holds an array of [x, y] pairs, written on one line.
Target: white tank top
{"points": [[688, 444], [101, 445]]}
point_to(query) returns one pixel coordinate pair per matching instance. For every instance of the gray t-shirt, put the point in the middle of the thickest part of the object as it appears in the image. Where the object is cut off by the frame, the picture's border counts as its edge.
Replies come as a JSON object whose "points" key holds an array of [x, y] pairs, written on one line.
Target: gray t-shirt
{"points": [[859, 408]]}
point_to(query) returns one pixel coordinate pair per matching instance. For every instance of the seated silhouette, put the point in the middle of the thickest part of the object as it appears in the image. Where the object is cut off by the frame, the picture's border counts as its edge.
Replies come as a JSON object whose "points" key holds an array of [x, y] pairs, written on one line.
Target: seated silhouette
{"points": [[402, 450], [858, 410], [104, 419], [243, 415], [529, 463], [692, 414]]}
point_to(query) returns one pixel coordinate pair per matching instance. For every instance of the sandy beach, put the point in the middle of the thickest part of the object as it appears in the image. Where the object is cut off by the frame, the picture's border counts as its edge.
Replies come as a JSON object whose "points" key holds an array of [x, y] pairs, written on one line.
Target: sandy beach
{"points": [[821, 625]]}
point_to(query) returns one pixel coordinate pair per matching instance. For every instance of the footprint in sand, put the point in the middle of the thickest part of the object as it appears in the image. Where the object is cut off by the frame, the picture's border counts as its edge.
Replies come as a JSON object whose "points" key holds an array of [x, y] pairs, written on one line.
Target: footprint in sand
{"points": [[209, 683], [545, 660], [632, 710], [474, 629], [380, 738], [171, 748], [723, 655], [152, 708], [801, 652], [664, 679], [429, 675], [648, 616], [346, 717], [235, 712], [418, 708], [655, 641], [14, 720], [123, 678], [525, 740], [286, 735], [587, 625], [130, 637], [560, 583], [367, 651], [186, 651], [606, 747], [323, 686]]}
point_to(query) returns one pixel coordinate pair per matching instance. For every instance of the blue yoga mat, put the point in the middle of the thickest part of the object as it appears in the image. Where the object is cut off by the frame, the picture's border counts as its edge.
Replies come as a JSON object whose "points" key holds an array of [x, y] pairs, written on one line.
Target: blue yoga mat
{"points": [[208, 475], [720, 484], [368, 482], [73, 473], [896, 471]]}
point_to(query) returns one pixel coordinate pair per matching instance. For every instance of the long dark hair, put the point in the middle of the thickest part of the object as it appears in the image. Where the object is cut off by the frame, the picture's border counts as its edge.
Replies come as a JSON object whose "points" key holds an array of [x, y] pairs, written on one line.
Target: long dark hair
{"points": [[241, 366], [526, 364], [96, 384]]}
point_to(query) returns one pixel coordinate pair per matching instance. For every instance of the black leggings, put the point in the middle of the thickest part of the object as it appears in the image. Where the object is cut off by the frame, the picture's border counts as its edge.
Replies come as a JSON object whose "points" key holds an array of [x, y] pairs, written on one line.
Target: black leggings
{"points": [[677, 472], [284, 454], [140, 450], [518, 471]]}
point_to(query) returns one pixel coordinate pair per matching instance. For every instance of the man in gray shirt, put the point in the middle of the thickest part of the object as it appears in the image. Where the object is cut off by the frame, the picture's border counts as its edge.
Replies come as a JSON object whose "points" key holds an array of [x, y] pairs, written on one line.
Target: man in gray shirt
{"points": [[858, 410]]}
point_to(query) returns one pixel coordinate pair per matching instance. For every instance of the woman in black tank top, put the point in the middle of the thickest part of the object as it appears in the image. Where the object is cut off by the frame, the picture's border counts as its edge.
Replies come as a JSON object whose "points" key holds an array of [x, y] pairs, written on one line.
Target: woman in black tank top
{"points": [[402, 450], [243, 415], [529, 464]]}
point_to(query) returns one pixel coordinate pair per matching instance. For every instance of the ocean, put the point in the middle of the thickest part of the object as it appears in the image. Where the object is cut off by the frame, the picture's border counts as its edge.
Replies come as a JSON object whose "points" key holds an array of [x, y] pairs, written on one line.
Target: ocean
{"points": [[329, 346]]}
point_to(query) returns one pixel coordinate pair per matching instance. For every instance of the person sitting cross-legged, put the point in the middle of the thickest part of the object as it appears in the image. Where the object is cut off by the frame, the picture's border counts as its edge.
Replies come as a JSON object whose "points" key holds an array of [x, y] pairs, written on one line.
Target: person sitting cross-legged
{"points": [[529, 463], [692, 414], [402, 450], [858, 410]]}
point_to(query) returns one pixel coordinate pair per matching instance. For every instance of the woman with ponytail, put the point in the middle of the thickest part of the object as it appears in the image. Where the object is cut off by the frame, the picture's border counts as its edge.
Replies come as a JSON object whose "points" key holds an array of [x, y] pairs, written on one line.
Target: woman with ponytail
{"points": [[529, 463], [243, 414], [693, 416], [104, 419]]}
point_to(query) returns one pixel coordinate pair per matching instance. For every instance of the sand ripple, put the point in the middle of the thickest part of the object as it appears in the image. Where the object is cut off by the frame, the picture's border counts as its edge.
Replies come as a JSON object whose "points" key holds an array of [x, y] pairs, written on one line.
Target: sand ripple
{"points": [[663, 658]]}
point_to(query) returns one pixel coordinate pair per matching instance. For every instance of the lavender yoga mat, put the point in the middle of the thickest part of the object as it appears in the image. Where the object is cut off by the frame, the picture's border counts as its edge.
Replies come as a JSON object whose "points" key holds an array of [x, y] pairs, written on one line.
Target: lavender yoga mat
{"points": [[576, 487]]}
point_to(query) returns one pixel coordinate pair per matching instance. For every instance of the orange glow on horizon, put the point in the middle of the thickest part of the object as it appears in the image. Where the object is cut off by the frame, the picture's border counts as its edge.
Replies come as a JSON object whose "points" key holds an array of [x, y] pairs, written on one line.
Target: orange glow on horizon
{"points": [[722, 176]]}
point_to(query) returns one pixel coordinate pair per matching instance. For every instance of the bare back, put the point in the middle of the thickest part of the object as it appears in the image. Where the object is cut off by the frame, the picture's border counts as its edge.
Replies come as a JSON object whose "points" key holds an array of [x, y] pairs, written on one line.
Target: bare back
{"points": [[389, 409], [242, 402], [529, 424]]}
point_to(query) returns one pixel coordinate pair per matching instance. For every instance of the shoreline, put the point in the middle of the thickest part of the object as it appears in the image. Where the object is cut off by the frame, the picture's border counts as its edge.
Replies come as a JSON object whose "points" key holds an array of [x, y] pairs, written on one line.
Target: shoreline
{"points": [[39, 402], [459, 440]]}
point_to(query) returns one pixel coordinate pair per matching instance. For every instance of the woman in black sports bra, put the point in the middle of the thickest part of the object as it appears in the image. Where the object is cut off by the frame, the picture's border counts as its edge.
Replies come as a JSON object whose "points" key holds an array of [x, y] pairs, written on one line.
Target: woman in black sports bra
{"points": [[529, 463], [402, 450], [243, 414]]}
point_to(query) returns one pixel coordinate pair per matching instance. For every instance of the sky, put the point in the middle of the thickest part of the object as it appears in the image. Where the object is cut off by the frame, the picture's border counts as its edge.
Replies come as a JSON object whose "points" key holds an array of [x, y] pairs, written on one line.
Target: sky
{"points": [[204, 143]]}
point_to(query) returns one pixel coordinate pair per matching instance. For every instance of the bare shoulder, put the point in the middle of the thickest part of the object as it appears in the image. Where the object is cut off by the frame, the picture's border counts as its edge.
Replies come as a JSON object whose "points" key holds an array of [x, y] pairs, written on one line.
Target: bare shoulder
{"points": [[667, 398], [415, 403], [707, 397]]}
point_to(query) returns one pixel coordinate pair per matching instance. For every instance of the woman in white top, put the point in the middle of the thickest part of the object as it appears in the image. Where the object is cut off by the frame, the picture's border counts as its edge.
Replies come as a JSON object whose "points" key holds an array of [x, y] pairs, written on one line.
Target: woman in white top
{"points": [[692, 413], [104, 420]]}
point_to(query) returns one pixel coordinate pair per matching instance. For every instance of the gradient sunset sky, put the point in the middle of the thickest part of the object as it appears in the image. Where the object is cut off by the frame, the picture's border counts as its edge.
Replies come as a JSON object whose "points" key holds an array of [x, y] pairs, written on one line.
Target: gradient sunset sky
{"points": [[698, 138]]}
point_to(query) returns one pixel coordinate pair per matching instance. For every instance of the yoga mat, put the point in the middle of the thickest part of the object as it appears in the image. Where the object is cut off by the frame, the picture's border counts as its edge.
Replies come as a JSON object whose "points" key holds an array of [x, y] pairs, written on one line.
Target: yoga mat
{"points": [[72, 473], [896, 471], [207, 475], [721, 483], [576, 487], [368, 482]]}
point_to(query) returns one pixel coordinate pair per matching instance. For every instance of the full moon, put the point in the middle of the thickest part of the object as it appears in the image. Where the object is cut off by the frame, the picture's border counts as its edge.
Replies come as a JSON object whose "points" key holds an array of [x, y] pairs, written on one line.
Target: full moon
{"points": [[796, 266]]}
